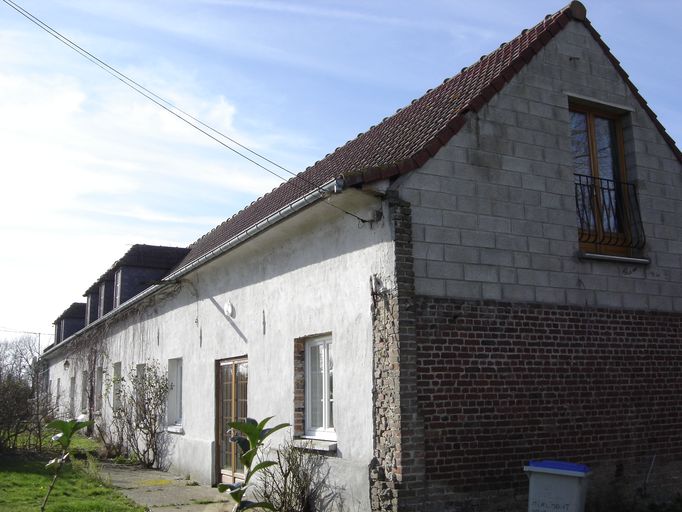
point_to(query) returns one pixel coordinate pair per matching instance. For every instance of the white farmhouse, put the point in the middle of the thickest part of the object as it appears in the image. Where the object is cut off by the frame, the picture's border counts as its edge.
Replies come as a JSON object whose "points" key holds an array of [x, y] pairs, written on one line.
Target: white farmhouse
{"points": [[491, 275]]}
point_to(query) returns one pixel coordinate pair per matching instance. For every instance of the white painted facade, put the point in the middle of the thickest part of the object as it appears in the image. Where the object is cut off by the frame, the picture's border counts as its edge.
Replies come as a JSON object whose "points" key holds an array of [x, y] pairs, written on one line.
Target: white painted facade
{"points": [[308, 276]]}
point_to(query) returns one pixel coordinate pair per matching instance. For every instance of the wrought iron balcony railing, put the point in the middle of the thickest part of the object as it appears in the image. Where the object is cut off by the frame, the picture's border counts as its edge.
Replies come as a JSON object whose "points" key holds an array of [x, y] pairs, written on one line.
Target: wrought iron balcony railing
{"points": [[608, 213]]}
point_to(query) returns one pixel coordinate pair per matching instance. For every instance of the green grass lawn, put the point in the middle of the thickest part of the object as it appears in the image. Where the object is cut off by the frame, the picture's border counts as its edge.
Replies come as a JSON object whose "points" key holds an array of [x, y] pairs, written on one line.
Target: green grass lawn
{"points": [[79, 443], [24, 482]]}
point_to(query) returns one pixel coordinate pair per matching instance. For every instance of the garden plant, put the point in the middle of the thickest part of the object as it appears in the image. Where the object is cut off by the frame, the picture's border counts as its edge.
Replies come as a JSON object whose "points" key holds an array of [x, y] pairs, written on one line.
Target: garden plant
{"points": [[250, 438], [65, 432]]}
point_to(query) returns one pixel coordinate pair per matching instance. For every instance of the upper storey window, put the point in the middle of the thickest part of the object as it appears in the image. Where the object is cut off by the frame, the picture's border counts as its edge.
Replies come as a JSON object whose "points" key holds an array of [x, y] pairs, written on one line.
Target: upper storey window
{"points": [[118, 276], [606, 203]]}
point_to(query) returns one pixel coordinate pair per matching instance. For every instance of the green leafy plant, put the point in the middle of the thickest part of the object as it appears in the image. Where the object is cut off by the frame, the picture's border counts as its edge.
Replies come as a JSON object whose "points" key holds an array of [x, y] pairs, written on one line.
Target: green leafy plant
{"points": [[65, 431], [250, 440]]}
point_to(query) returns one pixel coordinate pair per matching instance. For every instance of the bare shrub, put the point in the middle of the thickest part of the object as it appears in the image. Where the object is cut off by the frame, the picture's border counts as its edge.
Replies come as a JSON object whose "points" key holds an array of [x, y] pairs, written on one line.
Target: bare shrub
{"points": [[25, 404], [136, 427], [298, 482], [15, 409]]}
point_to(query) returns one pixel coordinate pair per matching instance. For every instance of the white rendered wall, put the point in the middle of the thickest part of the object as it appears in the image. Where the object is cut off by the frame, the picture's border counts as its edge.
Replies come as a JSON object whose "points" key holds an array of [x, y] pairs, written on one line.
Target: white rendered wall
{"points": [[309, 275]]}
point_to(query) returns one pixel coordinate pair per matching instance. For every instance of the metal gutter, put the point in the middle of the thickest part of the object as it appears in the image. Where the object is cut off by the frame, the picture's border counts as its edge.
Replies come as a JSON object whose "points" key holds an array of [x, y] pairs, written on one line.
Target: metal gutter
{"points": [[334, 186]]}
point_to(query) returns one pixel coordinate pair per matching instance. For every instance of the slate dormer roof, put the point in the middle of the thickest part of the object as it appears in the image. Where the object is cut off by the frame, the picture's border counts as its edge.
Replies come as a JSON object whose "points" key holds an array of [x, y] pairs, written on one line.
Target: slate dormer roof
{"points": [[145, 256], [94, 287], [75, 310], [407, 139], [151, 256]]}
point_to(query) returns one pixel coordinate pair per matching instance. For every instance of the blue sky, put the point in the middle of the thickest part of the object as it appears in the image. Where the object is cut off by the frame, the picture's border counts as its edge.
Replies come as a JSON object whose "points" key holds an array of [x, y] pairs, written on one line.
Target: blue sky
{"points": [[90, 168]]}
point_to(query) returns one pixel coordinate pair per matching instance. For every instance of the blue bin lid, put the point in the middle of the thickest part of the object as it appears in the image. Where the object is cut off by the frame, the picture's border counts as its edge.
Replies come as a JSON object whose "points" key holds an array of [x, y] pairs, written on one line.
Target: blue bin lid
{"points": [[559, 464]]}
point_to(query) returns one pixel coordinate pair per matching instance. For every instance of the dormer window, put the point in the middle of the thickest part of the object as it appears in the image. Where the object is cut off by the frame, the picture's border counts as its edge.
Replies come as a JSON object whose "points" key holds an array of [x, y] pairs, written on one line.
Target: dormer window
{"points": [[606, 203], [118, 276], [102, 296]]}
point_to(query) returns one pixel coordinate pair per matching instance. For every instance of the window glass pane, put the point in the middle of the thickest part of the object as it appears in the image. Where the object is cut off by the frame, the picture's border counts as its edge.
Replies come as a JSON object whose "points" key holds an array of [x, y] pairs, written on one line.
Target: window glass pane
{"points": [[117, 288], [226, 406], [179, 395], [99, 381], [330, 386], [84, 392], [605, 141], [580, 144], [117, 386], [175, 392], [72, 398], [582, 170], [316, 385], [241, 389]]}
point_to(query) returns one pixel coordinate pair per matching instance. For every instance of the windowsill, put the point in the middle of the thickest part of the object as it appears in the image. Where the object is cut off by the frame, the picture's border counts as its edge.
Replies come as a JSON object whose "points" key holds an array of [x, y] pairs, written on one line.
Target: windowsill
{"points": [[315, 445], [175, 429], [613, 258]]}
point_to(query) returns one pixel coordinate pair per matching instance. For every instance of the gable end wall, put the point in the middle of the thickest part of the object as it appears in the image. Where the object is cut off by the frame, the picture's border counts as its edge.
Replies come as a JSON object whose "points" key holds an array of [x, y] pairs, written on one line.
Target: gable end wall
{"points": [[523, 350], [494, 211]]}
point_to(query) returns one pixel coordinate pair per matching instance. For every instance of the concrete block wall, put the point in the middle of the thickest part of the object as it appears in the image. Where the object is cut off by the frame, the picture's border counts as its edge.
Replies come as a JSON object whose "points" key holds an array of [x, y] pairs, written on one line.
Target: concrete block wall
{"points": [[494, 213]]}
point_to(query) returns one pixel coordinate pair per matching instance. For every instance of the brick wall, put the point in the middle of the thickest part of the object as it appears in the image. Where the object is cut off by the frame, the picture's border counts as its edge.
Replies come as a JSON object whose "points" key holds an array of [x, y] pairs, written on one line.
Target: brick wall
{"points": [[501, 383], [299, 387]]}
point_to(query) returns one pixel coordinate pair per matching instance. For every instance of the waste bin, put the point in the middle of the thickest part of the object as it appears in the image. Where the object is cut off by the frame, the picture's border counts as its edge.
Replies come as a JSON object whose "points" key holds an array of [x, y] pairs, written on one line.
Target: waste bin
{"points": [[556, 486]]}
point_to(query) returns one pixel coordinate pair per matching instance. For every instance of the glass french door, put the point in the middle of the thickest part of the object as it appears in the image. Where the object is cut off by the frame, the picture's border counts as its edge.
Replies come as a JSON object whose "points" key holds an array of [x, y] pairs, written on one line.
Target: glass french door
{"points": [[232, 382]]}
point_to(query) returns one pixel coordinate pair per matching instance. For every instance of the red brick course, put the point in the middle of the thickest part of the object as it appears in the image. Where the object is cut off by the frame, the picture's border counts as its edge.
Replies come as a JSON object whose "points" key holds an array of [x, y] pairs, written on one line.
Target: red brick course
{"points": [[502, 383]]}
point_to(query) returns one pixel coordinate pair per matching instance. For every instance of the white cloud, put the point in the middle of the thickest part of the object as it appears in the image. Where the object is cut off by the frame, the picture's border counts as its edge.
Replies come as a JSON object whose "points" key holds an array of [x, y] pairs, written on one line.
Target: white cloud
{"points": [[89, 168]]}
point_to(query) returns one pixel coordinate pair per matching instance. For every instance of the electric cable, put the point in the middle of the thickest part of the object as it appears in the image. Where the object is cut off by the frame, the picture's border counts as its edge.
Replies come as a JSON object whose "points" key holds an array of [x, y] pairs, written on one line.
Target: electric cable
{"points": [[172, 108], [3, 329]]}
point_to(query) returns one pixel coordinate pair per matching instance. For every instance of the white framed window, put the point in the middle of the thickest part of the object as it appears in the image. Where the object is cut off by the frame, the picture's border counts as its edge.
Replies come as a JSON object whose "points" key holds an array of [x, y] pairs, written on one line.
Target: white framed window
{"points": [[319, 389], [118, 276], [99, 384], [116, 399], [102, 299], [84, 392], [140, 370], [174, 411], [72, 397], [90, 306], [59, 393]]}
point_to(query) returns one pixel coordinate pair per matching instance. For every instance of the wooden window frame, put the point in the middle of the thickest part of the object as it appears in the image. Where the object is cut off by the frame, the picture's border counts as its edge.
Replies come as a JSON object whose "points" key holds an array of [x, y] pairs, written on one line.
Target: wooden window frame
{"points": [[617, 119]]}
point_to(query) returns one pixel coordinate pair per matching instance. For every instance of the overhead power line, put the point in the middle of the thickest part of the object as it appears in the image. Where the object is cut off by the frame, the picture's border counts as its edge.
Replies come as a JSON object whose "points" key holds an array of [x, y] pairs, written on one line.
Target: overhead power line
{"points": [[170, 107], [16, 331]]}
